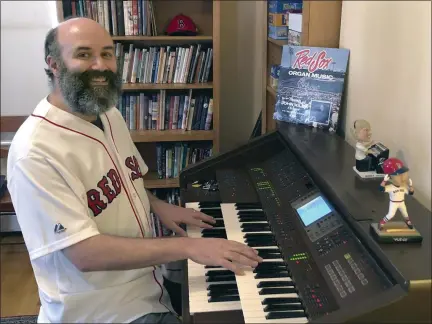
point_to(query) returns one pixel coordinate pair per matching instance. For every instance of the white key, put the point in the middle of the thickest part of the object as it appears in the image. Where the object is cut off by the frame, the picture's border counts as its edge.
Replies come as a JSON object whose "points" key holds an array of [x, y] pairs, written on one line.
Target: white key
{"points": [[198, 298], [253, 310]]}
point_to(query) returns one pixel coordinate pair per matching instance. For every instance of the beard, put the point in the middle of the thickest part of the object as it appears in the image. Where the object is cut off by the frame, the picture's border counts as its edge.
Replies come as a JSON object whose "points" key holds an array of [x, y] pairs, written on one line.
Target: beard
{"points": [[83, 96]]}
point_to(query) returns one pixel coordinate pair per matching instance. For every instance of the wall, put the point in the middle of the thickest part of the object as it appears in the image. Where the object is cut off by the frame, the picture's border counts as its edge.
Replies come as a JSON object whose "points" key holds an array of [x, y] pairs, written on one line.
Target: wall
{"points": [[241, 67], [389, 81], [24, 25]]}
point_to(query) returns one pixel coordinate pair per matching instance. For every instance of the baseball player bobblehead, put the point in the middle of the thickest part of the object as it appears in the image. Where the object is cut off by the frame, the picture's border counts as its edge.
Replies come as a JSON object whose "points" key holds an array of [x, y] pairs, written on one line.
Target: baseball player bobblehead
{"points": [[76, 185], [399, 186]]}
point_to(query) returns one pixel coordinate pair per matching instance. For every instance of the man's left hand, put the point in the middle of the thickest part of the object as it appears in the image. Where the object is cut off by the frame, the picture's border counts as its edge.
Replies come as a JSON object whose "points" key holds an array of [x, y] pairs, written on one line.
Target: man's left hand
{"points": [[172, 216]]}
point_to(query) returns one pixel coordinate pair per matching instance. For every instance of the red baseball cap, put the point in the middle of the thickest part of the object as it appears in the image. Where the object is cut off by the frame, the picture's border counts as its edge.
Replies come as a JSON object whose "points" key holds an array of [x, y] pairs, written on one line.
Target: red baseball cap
{"points": [[182, 25]]}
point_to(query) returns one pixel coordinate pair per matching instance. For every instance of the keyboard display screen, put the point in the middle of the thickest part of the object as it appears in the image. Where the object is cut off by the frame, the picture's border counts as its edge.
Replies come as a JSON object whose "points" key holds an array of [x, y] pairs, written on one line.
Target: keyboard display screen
{"points": [[313, 210]]}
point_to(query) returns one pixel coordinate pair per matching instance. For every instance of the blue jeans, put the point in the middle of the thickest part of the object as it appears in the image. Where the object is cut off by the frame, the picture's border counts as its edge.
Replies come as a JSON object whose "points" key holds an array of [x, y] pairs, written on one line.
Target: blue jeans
{"points": [[160, 318]]}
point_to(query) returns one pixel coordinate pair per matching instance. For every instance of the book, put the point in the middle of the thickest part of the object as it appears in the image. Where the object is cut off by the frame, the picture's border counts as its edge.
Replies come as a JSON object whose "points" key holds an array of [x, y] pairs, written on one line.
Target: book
{"points": [[311, 85]]}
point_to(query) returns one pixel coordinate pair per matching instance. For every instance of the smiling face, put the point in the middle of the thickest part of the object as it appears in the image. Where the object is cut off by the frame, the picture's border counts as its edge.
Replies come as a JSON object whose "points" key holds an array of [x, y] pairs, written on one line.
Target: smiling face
{"points": [[364, 134], [86, 68]]}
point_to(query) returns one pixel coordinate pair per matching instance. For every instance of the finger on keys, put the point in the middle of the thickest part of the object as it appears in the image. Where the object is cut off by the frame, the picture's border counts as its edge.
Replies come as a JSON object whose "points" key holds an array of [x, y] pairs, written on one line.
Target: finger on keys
{"points": [[204, 217], [178, 230], [230, 266], [241, 259], [201, 224], [246, 251]]}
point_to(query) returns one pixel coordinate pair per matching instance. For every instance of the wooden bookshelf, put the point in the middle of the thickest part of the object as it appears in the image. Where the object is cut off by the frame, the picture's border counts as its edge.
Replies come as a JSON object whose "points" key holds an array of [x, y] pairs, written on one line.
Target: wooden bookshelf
{"points": [[176, 135], [320, 27], [166, 86], [206, 15]]}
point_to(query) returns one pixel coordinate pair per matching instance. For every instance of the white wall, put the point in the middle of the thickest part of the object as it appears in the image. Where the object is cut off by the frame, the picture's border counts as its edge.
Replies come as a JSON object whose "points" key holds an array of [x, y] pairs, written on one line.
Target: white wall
{"points": [[24, 25], [389, 81]]}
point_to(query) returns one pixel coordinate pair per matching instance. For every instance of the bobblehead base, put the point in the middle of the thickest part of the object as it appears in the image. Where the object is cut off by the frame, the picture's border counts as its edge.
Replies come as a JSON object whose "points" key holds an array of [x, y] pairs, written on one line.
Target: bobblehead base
{"points": [[368, 174], [395, 232]]}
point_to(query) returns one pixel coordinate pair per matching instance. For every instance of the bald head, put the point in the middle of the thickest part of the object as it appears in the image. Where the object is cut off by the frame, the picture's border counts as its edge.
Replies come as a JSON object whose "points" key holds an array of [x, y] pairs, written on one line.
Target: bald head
{"points": [[82, 65], [82, 44], [78, 31]]}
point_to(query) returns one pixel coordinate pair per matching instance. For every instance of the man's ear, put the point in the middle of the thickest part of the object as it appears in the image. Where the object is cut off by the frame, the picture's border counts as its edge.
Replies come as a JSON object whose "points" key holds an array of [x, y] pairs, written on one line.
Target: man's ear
{"points": [[52, 65]]}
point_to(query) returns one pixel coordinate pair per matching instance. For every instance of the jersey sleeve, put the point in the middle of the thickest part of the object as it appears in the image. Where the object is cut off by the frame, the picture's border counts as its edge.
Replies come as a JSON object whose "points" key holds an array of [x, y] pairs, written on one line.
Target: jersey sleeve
{"points": [[50, 206]]}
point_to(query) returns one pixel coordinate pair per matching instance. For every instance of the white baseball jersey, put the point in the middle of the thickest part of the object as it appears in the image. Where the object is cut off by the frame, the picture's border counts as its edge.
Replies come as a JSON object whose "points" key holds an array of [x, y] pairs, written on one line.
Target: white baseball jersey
{"points": [[68, 181], [361, 151], [396, 194]]}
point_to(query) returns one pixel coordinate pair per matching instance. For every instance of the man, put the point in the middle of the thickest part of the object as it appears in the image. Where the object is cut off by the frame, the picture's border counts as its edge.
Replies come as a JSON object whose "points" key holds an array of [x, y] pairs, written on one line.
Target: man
{"points": [[76, 182]]}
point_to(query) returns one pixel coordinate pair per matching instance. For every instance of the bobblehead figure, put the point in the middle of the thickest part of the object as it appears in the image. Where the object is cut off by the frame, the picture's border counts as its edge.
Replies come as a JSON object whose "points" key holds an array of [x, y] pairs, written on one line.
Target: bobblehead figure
{"points": [[362, 133], [369, 154], [397, 184]]}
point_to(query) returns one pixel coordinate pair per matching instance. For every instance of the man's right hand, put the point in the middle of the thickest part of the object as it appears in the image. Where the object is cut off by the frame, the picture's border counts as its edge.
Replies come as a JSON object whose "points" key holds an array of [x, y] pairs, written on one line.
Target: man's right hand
{"points": [[220, 252]]}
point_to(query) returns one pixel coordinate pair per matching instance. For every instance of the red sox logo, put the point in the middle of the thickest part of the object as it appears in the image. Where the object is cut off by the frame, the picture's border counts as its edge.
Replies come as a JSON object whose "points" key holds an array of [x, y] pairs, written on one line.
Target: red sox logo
{"points": [[181, 24], [110, 186]]}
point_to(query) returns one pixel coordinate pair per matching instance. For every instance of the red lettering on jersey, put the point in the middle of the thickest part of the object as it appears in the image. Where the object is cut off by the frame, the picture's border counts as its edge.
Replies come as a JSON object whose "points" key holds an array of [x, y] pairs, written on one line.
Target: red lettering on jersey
{"points": [[115, 180], [94, 202], [106, 189], [132, 163]]}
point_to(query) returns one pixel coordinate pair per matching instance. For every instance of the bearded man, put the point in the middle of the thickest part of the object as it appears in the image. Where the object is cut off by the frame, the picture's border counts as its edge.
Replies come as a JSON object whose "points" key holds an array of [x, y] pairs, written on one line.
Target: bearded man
{"points": [[76, 182]]}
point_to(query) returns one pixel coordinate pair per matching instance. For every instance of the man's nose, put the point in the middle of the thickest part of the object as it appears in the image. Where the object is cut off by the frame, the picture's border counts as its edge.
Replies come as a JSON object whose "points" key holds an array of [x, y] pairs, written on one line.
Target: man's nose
{"points": [[99, 64]]}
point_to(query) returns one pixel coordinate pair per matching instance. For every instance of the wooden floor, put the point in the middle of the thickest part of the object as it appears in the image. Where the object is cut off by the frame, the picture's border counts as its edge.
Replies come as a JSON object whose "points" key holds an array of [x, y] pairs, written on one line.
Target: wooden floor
{"points": [[19, 295]]}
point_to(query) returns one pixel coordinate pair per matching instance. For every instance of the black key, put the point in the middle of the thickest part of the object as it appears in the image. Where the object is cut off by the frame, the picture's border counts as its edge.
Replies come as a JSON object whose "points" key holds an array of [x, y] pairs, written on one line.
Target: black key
{"points": [[271, 275], [212, 267], [220, 278], [218, 272], [256, 227], [275, 255], [248, 241], [270, 270], [249, 207], [270, 284], [206, 204], [273, 291], [226, 292], [212, 212], [251, 213], [218, 223], [283, 307], [280, 300], [270, 256], [259, 235], [213, 230], [259, 243], [224, 299], [251, 220], [221, 286], [290, 314], [253, 204], [272, 263], [215, 235], [268, 251]]}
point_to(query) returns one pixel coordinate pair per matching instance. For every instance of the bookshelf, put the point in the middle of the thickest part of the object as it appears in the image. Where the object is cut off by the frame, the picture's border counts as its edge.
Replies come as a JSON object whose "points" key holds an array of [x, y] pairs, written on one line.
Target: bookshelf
{"points": [[320, 27], [155, 16]]}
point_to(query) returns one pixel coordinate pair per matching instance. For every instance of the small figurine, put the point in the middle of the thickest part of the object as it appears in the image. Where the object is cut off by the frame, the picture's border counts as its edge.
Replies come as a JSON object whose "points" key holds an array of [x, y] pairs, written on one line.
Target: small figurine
{"points": [[369, 155], [362, 133], [400, 185]]}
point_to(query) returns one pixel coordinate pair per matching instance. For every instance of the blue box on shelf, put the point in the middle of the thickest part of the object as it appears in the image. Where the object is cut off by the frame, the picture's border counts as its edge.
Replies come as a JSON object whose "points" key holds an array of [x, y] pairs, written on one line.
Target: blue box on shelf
{"points": [[278, 32], [283, 6]]}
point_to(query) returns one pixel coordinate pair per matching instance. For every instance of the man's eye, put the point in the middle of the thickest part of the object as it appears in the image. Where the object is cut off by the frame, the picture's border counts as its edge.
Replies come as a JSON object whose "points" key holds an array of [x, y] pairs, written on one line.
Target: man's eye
{"points": [[83, 55], [107, 55]]}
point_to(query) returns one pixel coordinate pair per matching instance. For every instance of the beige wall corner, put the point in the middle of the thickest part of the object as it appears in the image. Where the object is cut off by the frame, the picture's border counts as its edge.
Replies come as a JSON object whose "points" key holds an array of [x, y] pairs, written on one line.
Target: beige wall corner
{"points": [[389, 81], [241, 70]]}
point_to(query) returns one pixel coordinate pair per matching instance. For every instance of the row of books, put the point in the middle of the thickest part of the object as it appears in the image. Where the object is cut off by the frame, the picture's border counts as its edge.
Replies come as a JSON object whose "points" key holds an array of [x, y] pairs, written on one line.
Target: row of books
{"points": [[119, 17], [172, 158], [165, 64], [162, 111]]}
